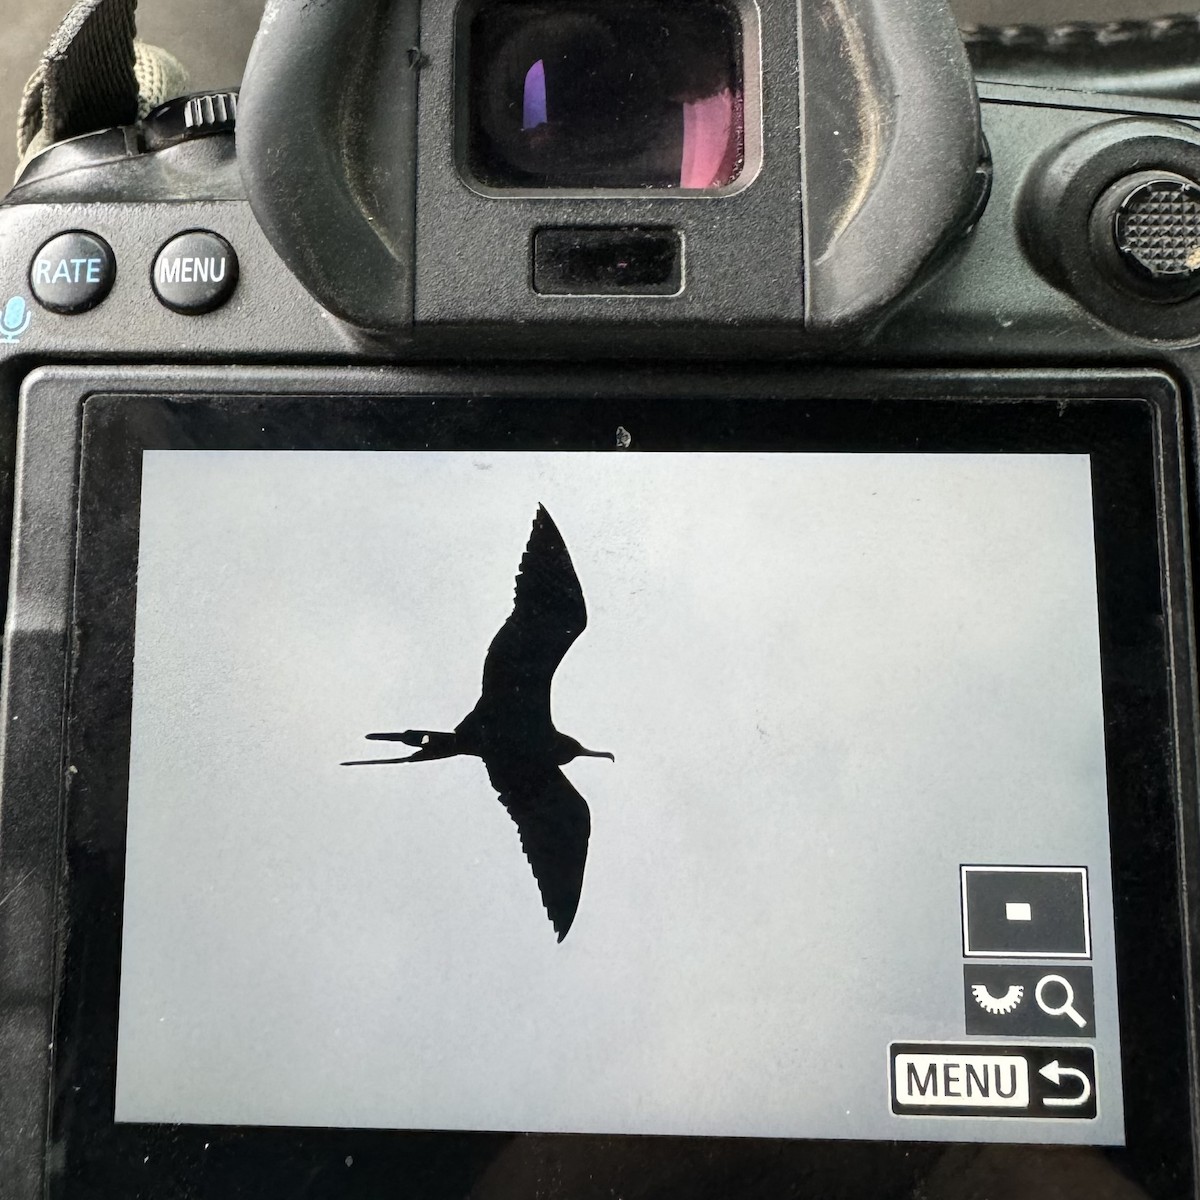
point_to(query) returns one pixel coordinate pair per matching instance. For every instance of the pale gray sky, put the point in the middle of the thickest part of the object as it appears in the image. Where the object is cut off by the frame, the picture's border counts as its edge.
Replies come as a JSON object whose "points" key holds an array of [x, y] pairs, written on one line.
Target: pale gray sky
{"points": [[828, 681]]}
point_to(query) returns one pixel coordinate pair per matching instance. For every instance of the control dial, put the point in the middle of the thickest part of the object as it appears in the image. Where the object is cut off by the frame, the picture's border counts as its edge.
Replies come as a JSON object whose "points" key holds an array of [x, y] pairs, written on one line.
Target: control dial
{"points": [[189, 117]]}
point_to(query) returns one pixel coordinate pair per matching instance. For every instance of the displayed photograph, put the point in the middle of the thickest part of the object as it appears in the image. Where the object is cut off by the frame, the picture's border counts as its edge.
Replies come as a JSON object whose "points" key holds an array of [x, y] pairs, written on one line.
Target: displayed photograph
{"points": [[618, 793]]}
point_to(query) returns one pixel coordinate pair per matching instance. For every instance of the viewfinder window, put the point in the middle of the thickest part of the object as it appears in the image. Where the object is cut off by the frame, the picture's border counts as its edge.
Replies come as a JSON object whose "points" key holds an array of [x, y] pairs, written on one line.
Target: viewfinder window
{"points": [[603, 94]]}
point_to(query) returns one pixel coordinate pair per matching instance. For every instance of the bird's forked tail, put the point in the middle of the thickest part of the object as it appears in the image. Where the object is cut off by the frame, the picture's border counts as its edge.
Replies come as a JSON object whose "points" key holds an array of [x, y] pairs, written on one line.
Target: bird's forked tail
{"points": [[430, 745]]}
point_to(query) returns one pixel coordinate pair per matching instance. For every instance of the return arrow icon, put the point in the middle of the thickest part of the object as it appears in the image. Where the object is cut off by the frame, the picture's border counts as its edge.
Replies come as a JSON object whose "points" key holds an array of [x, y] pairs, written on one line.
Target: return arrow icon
{"points": [[1055, 1073]]}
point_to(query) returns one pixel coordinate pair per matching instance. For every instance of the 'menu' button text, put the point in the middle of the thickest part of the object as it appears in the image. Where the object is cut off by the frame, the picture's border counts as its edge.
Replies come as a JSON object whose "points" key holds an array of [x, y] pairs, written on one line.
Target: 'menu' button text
{"points": [[195, 273]]}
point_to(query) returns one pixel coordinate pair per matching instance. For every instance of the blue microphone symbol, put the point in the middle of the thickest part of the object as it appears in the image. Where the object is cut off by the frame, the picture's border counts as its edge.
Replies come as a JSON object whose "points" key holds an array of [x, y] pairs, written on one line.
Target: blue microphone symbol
{"points": [[15, 320]]}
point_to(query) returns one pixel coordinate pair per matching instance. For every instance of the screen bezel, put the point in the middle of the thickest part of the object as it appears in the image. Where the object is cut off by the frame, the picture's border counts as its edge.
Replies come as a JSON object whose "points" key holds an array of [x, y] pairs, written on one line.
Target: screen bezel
{"points": [[1124, 437]]}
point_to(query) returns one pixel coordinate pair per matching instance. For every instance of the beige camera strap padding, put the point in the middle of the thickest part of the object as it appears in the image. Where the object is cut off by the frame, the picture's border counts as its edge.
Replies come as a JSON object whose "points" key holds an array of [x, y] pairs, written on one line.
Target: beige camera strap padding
{"points": [[86, 77], [95, 74]]}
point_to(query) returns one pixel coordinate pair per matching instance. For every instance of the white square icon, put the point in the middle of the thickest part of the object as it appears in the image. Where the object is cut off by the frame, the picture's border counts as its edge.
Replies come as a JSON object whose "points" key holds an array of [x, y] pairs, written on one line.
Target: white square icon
{"points": [[1025, 912]]}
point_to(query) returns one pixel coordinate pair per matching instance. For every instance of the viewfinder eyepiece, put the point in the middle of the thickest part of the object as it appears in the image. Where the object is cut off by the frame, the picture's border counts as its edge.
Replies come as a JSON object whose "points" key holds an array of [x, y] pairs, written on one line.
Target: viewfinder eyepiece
{"points": [[604, 94]]}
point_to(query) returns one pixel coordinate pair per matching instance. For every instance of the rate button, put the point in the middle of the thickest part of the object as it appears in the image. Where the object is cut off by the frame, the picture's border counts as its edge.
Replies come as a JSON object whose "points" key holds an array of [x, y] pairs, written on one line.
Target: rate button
{"points": [[195, 273], [72, 272]]}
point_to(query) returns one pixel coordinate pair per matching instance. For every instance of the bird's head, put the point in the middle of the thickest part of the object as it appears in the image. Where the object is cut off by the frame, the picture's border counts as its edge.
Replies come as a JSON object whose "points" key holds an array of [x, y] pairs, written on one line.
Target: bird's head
{"points": [[569, 748]]}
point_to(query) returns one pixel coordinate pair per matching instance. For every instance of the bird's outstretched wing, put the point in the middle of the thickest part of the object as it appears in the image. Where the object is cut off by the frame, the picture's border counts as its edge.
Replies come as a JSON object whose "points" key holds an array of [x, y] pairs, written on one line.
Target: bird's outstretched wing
{"points": [[554, 824], [548, 614]]}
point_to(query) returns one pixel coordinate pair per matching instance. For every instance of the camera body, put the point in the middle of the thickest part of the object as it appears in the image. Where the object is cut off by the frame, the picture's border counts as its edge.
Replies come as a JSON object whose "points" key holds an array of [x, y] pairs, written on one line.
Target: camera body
{"points": [[548, 229]]}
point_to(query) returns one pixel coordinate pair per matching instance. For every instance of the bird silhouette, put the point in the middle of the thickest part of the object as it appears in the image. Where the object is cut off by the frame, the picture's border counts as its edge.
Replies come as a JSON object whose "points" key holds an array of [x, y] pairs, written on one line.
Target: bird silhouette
{"points": [[512, 731]]}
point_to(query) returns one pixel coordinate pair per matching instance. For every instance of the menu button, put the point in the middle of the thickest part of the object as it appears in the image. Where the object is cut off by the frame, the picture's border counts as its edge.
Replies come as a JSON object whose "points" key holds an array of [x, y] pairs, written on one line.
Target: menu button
{"points": [[195, 273]]}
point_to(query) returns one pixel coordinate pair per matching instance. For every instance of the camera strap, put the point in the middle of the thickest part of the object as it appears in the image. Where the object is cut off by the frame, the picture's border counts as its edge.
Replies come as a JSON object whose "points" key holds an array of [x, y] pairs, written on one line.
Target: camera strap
{"points": [[1157, 57], [95, 74]]}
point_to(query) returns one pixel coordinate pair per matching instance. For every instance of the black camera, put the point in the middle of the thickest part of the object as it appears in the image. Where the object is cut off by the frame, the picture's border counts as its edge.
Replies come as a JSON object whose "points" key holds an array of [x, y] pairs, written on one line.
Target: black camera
{"points": [[600, 605]]}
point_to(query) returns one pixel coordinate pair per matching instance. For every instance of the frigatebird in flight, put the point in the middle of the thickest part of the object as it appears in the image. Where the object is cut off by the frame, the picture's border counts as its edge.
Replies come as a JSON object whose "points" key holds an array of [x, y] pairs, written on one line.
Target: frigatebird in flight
{"points": [[511, 728]]}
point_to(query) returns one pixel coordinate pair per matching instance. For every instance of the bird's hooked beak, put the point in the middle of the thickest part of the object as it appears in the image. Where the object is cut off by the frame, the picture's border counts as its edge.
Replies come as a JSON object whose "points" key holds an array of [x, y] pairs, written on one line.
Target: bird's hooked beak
{"points": [[598, 754]]}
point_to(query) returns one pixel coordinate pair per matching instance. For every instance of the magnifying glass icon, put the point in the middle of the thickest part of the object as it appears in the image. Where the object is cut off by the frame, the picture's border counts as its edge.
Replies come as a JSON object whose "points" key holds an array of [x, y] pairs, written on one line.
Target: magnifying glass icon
{"points": [[1067, 1008]]}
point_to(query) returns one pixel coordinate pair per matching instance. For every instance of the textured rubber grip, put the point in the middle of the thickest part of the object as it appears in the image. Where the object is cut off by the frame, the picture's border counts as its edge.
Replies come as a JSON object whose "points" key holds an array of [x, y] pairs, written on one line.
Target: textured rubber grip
{"points": [[329, 98], [891, 149]]}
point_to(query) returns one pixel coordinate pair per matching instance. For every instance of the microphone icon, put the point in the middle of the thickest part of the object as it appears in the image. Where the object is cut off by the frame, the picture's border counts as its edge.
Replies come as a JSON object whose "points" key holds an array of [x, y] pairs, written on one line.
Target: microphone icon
{"points": [[15, 320]]}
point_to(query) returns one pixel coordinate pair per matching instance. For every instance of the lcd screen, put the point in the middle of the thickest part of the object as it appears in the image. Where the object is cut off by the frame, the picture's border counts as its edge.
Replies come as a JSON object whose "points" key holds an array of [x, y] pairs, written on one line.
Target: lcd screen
{"points": [[845, 876]]}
